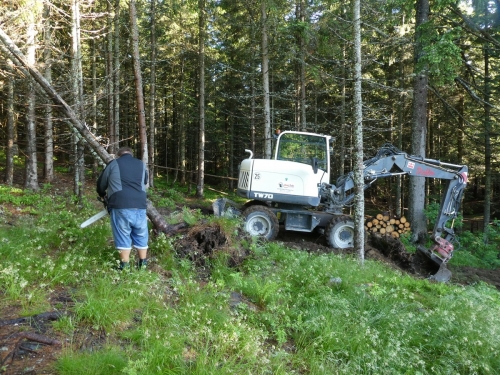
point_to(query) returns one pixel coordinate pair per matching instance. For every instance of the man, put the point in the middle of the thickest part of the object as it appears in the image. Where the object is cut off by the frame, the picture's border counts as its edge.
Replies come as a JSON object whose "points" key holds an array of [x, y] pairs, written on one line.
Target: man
{"points": [[124, 181], [277, 133]]}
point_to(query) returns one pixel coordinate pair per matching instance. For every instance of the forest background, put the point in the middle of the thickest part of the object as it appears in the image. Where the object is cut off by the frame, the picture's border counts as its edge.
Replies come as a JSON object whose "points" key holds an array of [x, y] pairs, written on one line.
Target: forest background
{"points": [[191, 84]]}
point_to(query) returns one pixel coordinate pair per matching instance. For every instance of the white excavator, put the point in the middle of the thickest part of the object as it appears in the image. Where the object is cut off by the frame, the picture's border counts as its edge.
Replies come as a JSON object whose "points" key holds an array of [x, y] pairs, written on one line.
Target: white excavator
{"points": [[294, 189]]}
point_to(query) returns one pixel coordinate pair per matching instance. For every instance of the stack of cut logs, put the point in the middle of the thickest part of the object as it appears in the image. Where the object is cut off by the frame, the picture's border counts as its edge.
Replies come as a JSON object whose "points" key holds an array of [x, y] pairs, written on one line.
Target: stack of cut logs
{"points": [[384, 224]]}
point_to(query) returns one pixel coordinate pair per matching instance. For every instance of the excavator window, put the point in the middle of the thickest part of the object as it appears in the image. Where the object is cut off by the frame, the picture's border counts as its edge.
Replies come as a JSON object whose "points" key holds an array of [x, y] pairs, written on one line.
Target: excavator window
{"points": [[302, 148]]}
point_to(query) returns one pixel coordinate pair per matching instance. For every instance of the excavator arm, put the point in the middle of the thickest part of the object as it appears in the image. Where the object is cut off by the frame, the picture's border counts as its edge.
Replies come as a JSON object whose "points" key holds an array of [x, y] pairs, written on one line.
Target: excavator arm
{"points": [[389, 162]]}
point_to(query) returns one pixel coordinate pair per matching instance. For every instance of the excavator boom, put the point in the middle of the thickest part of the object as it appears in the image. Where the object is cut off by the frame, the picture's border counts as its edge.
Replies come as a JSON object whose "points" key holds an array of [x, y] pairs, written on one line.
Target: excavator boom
{"points": [[389, 162]]}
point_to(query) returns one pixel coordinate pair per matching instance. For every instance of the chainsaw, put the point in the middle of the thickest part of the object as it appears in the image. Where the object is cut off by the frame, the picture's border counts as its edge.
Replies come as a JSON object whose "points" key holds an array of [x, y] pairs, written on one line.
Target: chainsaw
{"points": [[101, 214]]}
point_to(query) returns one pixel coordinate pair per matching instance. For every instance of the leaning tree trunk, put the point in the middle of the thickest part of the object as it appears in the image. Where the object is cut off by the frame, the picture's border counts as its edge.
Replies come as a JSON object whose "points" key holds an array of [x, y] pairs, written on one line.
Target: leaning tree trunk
{"points": [[9, 168], [141, 114], [20, 60]]}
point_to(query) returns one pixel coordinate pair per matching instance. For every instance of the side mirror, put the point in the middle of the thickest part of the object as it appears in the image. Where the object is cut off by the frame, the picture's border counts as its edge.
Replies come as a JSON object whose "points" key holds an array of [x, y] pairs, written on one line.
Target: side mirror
{"points": [[315, 164]]}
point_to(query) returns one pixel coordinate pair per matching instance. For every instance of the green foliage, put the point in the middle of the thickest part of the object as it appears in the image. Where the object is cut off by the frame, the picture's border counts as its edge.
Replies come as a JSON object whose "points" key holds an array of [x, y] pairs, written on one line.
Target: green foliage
{"points": [[408, 244], [21, 197], [475, 252], [432, 211], [441, 54], [191, 217], [65, 324], [470, 248], [109, 361], [167, 198]]}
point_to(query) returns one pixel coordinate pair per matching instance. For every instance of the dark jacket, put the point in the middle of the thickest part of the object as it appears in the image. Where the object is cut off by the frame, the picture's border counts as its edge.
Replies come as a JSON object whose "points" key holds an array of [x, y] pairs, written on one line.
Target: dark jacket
{"points": [[124, 181]]}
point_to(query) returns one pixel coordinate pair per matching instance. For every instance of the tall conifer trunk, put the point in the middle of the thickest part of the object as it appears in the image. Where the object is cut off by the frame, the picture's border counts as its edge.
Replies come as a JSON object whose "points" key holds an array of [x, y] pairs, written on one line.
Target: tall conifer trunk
{"points": [[116, 77], [487, 144], [359, 201], [301, 122], [109, 80], [201, 62], [48, 172], [31, 176], [265, 83], [77, 82], [152, 95], [419, 127]]}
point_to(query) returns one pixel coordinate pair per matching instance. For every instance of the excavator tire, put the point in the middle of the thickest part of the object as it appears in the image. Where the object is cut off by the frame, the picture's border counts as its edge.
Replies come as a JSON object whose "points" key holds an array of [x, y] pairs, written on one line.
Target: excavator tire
{"points": [[340, 232], [261, 221]]}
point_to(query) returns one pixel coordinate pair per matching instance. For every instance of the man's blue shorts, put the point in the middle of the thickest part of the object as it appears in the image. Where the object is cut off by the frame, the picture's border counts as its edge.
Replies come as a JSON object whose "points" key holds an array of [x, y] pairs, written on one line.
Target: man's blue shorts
{"points": [[130, 228]]}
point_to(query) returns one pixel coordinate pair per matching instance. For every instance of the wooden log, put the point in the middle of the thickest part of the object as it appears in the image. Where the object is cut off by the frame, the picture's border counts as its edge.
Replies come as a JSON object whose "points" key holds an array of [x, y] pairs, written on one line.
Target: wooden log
{"points": [[51, 315], [380, 217], [382, 230], [402, 219]]}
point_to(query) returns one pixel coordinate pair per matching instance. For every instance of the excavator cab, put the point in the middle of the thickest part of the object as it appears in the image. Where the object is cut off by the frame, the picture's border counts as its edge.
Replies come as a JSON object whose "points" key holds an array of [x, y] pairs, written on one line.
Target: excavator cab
{"points": [[304, 148]]}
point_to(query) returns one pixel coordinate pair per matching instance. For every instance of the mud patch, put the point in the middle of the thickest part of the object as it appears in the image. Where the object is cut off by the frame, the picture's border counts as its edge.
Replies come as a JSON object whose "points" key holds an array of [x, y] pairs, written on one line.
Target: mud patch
{"points": [[471, 275], [394, 252], [28, 345]]}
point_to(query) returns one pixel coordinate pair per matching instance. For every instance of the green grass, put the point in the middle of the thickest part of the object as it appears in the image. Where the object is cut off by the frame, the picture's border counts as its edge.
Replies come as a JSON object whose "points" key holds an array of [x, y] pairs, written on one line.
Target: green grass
{"points": [[299, 312]]}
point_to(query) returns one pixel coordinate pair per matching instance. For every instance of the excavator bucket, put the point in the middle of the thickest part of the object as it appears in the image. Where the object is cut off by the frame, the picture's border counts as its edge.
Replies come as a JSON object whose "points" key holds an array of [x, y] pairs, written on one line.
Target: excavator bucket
{"points": [[443, 275], [218, 206], [440, 254], [226, 207]]}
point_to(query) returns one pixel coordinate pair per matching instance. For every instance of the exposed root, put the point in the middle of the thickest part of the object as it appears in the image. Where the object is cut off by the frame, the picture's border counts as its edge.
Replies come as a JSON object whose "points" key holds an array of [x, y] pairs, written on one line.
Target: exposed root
{"points": [[394, 250], [202, 243], [19, 344]]}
